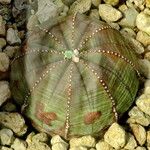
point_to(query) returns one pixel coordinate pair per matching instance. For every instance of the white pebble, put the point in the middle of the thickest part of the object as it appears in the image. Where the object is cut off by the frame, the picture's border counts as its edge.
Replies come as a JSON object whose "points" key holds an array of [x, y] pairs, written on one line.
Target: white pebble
{"points": [[87, 141], [143, 102], [115, 136], [139, 133], [108, 13], [6, 137], [143, 22]]}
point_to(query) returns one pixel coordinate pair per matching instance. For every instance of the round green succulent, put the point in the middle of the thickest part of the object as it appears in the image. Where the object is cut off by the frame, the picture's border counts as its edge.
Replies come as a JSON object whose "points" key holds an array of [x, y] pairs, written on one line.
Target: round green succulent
{"points": [[75, 78]]}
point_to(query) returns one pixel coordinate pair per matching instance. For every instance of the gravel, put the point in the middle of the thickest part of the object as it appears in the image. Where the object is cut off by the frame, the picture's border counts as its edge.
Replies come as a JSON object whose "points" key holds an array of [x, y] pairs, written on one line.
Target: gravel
{"points": [[130, 17]]}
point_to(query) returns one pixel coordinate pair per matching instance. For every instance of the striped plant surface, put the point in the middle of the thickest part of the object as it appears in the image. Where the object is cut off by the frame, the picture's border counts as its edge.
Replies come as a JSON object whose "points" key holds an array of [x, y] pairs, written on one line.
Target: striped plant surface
{"points": [[75, 78]]}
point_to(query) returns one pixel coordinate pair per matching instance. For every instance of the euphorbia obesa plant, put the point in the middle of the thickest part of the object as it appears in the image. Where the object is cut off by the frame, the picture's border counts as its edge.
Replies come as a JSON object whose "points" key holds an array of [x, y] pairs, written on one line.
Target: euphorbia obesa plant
{"points": [[75, 78]]}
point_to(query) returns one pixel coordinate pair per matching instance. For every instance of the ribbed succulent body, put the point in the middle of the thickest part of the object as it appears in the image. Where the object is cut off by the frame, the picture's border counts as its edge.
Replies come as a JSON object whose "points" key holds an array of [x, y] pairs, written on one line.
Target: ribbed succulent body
{"points": [[75, 78]]}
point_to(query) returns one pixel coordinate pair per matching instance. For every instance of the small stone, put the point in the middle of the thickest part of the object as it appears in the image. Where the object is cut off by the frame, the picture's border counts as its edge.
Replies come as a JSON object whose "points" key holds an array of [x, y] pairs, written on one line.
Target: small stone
{"points": [[148, 3], [128, 32], [2, 43], [140, 148], [143, 37], [40, 137], [147, 56], [137, 116], [94, 13], [145, 67], [114, 25], [46, 10], [139, 3], [115, 136], [6, 137], [5, 148], [11, 50], [143, 22], [147, 11], [108, 13], [12, 37], [148, 138], [131, 142], [4, 62], [50, 9], [96, 2], [2, 26], [5, 93], [29, 138], [129, 19], [21, 34], [57, 139], [5, 1], [147, 87], [59, 146], [130, 4], [102, 145], [111, 2], [38, 146], [14, 121], [6, 11], [148, 47], [78, 148], [9, 107], [36, 141], [87, 141], [81, 6], [19, 144], [139, 133], [123, 7], [143, 103]]}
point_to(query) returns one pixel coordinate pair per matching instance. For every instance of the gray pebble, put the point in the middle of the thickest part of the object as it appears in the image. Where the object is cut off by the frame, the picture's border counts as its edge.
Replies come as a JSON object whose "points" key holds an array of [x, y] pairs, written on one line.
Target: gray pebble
{"points": [[2, 26], [4, 62], [11, 50], [5, 92], [12, 37], [129, 19], [9, 107], [6, 137]]}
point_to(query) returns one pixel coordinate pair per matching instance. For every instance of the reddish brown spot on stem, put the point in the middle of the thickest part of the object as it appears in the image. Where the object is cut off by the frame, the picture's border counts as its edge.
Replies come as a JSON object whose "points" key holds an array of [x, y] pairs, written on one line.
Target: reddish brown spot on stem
{"points": [[91, 117], [46, 117]]}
